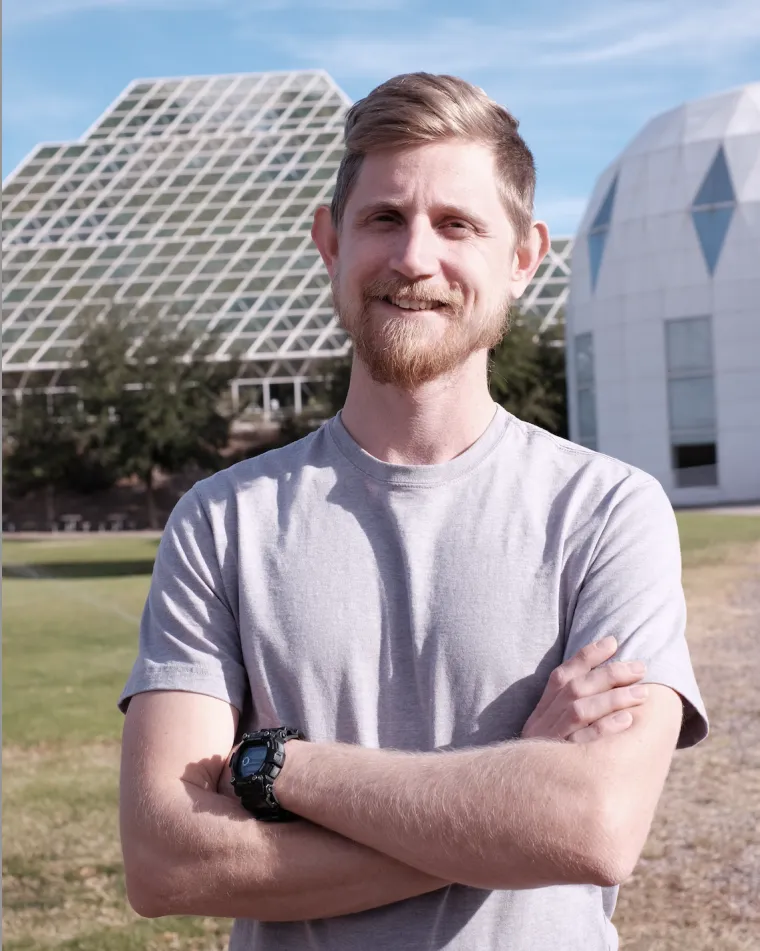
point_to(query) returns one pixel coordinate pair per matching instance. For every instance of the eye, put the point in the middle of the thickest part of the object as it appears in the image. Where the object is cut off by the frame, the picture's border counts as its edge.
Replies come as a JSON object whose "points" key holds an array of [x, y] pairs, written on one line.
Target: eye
{"points": [[456, 224], [385, 217]]}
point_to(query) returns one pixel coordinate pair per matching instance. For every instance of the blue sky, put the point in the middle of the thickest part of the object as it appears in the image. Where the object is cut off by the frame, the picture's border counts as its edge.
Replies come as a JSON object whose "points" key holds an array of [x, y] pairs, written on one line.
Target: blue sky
{"points": [[582, 77]]}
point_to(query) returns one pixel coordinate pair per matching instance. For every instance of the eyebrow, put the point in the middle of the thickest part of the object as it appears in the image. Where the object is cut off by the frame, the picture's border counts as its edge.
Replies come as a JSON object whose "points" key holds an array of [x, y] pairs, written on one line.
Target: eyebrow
{"points": [[390, 204]]}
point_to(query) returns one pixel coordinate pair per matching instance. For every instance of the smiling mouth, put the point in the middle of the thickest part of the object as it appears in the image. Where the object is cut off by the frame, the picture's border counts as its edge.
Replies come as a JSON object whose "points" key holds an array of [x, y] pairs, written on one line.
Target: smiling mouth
{"points": [[405, 303]]}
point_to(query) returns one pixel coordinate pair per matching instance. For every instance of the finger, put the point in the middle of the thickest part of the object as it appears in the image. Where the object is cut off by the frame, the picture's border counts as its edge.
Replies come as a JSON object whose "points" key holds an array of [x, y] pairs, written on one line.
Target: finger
{"points": [[618, 673], [607, 726], [581, 663], [587, 710]]}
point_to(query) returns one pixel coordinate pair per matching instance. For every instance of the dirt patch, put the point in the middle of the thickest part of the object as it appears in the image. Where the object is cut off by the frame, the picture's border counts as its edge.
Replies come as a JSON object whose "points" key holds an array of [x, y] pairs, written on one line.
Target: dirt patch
{"points": [[698, 881]]}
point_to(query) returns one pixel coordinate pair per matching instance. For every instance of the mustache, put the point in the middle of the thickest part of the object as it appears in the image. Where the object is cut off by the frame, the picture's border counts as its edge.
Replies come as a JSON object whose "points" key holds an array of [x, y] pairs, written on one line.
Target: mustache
{"points": [[417, 290]]}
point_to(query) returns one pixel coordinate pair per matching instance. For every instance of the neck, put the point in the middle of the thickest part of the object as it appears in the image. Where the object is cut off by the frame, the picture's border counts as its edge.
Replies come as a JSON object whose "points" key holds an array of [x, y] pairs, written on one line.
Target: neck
{"points": [[431, 424]]}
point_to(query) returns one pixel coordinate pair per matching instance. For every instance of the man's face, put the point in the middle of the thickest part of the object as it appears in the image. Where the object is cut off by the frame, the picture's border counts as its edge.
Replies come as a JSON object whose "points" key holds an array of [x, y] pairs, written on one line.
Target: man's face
{"points": [[424, 269]]}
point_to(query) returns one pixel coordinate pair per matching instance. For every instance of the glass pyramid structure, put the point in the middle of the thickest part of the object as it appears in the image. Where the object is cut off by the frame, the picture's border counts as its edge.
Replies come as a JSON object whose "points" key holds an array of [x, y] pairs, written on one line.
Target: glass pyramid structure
{"points": [[192, 197], [546, 295]]}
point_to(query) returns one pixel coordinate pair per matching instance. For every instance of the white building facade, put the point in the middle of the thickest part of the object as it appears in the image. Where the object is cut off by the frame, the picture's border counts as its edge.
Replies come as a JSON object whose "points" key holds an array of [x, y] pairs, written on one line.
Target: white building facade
{"points": [[663, 317]]}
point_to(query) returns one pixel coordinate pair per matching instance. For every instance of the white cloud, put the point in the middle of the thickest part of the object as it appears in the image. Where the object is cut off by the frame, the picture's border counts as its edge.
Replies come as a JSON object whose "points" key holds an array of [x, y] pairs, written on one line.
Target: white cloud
{"points": [[29, 12], [23, 12], [675, 32], [672, 32]]}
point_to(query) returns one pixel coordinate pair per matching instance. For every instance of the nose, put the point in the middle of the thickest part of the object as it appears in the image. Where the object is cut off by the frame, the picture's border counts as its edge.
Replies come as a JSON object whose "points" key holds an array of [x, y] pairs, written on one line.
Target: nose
{"points": [[415, 251]]}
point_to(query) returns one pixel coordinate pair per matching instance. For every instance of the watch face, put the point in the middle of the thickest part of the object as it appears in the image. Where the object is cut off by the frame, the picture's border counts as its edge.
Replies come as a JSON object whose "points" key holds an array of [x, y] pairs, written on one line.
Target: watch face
{"points": [[251, 760]]}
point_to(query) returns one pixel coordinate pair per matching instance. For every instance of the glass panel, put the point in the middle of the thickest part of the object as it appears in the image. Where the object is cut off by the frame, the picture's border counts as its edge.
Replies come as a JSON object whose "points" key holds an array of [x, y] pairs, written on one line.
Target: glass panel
{"points": [[584, 358], [692, 403], [695, 464], [47, 293], [586, 414], [717, 185], [596, 241], [688, 344], [604, 215], [712, 226]]}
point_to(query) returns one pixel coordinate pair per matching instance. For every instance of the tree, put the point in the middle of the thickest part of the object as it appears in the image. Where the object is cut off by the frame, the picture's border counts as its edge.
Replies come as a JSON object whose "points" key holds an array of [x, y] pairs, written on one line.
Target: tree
{"points": [[151, 396], [40, 452], [527, 373], [334, 389]]}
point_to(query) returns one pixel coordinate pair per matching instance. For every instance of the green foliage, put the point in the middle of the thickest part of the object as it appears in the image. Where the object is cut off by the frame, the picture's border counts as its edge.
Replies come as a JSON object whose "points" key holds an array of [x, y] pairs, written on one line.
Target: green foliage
{"points": [[151, 397], [334, 389], [527, 373], [48, 451], [41, 448]]}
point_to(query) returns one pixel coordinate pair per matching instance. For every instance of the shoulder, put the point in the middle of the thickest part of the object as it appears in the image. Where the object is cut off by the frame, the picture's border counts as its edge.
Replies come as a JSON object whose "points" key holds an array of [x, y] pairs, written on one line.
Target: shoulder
{"points": [[575, 490], [565, 464], [262, 474]]}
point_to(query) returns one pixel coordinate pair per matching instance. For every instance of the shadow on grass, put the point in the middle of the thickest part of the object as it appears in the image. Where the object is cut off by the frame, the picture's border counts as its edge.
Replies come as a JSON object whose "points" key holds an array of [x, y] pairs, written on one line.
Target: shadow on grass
{"points": [[42, 571]]}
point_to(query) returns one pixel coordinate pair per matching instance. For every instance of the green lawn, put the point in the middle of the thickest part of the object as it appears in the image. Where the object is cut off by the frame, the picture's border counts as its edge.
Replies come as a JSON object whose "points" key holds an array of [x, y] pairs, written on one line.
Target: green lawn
{"points": [[70, 618], [71, 611]]}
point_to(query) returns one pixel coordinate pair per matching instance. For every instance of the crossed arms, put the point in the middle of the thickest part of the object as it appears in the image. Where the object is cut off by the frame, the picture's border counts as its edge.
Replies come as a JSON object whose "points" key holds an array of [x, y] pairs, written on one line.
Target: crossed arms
{"points": [[380, 826]]}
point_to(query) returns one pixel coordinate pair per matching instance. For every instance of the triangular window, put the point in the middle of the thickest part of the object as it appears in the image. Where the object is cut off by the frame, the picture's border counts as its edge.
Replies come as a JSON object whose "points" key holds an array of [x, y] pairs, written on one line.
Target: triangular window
{"points": [[597, 236]]}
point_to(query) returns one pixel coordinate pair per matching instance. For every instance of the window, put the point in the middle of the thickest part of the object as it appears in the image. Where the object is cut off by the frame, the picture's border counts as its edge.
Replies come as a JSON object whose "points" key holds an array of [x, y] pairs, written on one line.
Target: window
{"points": [[691, 401], [713, 209], [597, 236], [585, 390]]}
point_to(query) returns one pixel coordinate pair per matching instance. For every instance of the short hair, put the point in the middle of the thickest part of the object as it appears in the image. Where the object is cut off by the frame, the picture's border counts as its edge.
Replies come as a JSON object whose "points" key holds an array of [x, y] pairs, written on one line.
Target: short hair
{"points": [[415, 108]]}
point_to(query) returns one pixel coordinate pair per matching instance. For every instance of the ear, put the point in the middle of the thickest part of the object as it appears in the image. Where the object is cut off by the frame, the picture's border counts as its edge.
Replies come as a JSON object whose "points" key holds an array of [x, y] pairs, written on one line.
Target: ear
{"points": [[528, 256], [325, 236]]}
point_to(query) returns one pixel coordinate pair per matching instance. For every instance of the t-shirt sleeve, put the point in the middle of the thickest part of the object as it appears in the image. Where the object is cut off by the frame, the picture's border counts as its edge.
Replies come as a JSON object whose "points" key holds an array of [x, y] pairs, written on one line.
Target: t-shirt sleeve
{"points": [[189, 636], [633, 590]]}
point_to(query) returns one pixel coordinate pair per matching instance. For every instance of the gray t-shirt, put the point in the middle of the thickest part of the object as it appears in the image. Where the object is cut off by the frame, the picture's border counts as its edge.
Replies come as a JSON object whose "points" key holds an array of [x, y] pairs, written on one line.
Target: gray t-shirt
{"points": [[417, 607]]}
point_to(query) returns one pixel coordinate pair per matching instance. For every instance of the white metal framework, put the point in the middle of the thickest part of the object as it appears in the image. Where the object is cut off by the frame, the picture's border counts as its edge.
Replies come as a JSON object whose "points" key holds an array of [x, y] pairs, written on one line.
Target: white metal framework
{"points": [[193, 196], [546, 295]]}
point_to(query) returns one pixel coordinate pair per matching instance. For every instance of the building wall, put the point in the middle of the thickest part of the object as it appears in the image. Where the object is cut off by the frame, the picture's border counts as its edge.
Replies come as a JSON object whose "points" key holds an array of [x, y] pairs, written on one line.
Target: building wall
{"points": [[654, 270]]}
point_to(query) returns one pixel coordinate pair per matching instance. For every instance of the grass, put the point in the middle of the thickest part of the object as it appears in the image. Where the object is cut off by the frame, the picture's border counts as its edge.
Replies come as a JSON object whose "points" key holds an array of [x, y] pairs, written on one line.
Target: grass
{"points": [[71, 611], [70, 617], [704, 537]]}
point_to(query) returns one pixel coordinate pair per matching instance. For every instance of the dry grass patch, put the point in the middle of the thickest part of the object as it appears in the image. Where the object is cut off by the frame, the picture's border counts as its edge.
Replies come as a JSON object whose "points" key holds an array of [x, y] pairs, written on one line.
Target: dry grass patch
{"points": [[63, 883], [698, 882]]}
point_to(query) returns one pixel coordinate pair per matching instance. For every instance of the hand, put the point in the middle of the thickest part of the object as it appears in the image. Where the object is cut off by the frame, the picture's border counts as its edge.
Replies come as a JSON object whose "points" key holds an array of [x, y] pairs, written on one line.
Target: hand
{"points": [[584, 701], [224, 786]]}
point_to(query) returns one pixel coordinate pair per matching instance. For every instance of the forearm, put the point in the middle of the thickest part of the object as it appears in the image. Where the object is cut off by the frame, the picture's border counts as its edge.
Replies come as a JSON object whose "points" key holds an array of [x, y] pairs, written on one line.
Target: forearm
{"points": [[518, 815], [202, 854]]}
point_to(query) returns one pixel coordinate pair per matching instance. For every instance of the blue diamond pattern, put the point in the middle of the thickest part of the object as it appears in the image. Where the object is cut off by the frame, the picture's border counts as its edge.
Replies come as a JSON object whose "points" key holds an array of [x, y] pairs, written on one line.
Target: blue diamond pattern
{"points": [[713, 209], [712, 225], [716, 187]]}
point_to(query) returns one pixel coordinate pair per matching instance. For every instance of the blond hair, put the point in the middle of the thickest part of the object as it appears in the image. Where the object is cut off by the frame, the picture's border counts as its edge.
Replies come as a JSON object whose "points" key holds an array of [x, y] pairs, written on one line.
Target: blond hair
{"points": [[415, 108]]}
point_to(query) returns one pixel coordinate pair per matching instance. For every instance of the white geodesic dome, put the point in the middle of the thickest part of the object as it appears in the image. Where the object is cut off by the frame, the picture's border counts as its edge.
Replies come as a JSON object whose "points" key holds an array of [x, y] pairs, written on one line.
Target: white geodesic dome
{"points": [[663, 322]]}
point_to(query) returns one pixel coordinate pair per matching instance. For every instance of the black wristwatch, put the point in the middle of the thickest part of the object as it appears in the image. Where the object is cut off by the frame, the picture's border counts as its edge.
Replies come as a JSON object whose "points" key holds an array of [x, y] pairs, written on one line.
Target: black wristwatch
{"points": [[255, 764]]}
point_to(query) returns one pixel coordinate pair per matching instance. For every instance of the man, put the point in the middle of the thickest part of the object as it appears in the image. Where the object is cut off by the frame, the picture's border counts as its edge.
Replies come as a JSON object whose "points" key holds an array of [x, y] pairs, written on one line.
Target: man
{"points": [[429, 590]]}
